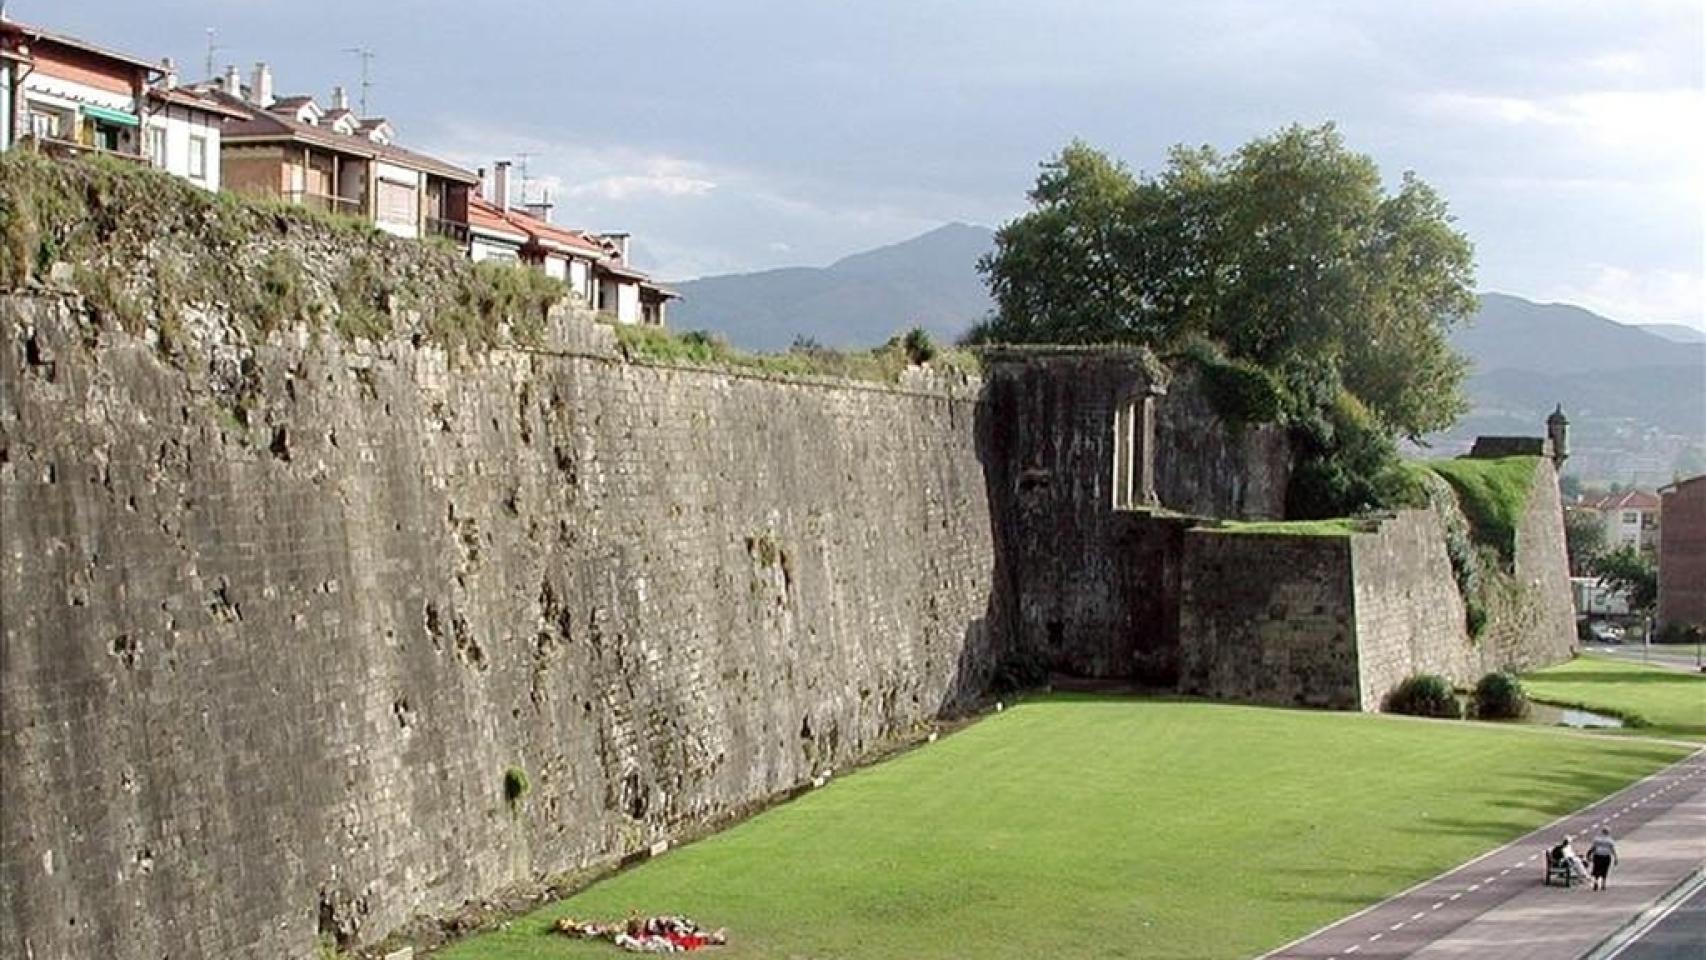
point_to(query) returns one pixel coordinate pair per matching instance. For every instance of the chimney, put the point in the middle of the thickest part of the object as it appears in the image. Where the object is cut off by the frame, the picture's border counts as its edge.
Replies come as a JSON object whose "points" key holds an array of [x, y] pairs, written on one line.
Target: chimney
{"points": [[620, 242], [500, 184], [169, 68], [260, 87], [233, 81], [340, 99]]}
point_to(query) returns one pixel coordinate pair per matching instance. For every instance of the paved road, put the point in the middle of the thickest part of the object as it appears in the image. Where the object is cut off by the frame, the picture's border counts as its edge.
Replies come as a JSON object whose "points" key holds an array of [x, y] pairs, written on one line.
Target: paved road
{"points": [[1496, 906], [1681, 935], [1672, 657]]}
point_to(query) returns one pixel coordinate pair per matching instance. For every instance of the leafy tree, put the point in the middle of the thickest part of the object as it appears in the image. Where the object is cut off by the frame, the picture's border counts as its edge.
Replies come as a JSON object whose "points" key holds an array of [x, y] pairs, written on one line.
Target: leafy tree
{"points": [[1584, 540], [1633, 572], [1287, 253]]}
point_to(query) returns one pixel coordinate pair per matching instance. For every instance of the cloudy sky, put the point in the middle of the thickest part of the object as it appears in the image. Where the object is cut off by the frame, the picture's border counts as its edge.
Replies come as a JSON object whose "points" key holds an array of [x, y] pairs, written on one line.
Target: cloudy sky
{"points": [[1569, 137]]}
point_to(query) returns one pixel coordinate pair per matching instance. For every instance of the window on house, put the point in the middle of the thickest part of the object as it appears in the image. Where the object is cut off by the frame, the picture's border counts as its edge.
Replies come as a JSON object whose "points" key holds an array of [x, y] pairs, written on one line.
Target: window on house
{"points": [[1630, 516], [397, 202], [157, 146], [198, 157], [44, 125]]}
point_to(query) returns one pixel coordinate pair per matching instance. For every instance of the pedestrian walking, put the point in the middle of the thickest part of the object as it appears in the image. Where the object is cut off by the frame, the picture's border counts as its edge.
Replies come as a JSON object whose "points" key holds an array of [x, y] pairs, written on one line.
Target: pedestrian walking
{"points": [[1603, 853]]}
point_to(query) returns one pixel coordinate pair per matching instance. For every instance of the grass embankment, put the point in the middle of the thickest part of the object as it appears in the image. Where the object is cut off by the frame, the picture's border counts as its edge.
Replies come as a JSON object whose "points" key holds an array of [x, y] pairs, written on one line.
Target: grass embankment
{"points": [[1085, 827], [1655, 702], [1494, 496], [884, 364], [1336, 527]]}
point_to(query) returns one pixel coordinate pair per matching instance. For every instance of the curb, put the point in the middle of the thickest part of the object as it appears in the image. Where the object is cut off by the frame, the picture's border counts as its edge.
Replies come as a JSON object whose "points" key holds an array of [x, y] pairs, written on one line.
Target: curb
{"points": [[1649, 918]]}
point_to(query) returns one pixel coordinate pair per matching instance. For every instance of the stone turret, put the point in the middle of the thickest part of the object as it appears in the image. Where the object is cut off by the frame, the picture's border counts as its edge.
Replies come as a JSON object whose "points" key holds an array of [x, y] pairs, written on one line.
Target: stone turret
{"points": [[1558, 432]]}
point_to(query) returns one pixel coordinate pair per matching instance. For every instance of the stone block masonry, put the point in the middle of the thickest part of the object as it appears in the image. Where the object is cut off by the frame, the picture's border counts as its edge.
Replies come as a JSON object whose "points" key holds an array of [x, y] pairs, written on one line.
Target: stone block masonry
{"points": [[271, 646]]}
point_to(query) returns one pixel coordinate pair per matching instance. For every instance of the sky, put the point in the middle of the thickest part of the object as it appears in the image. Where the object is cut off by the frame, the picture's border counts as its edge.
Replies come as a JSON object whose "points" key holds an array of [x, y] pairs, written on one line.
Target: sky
{"points": [[1568, 136]]}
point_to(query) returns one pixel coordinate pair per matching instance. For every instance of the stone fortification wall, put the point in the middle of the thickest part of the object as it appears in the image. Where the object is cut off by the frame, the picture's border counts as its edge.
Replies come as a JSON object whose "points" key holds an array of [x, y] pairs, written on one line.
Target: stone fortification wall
{"points": [[280, 617], [1209, 468], [1339, 621], [1409, 611], [1269, 619], [1531, 620], [1082, 600]]}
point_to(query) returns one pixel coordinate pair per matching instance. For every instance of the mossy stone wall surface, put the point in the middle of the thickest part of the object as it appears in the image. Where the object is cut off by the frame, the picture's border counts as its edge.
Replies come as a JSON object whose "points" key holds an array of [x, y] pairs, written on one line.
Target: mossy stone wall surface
{"points": [[281, 613]]}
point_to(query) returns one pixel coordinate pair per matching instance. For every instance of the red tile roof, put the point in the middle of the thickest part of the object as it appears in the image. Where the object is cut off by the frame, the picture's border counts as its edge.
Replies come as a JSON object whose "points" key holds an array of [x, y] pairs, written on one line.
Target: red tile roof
{"points": [[482, 213], [194, 101], [1627, 500], [8, 25]]}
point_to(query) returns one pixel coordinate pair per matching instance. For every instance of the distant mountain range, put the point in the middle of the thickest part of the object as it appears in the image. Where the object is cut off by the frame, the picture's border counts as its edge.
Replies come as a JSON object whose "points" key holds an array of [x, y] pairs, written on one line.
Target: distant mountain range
{"points": [[1635, 394], [858, 301]]}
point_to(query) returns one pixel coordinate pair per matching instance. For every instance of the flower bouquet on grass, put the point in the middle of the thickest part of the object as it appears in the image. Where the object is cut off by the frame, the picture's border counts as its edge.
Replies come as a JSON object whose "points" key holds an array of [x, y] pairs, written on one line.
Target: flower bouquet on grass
{"points": [[645, 934]]}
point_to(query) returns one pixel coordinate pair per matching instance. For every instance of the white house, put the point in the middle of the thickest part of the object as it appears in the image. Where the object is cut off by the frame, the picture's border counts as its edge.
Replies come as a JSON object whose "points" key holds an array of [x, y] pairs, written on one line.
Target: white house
{"points": [[1631, 519], [181, 132]]}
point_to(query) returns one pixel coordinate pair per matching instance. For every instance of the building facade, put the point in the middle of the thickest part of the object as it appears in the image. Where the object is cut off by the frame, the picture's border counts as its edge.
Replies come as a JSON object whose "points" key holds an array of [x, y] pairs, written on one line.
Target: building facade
{"points": [[1682, 554], [1631, 519]]}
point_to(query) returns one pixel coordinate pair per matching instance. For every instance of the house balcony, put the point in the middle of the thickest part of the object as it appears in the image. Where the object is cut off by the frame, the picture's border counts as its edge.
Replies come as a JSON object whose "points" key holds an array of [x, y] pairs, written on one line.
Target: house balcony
{"points": [[324, 203], [70, 149], [456, 231]]}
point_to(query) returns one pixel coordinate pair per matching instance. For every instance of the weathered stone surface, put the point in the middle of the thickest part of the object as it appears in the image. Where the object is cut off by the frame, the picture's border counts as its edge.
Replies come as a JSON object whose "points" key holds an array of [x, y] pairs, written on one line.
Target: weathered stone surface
{"points": [[275, 628]]}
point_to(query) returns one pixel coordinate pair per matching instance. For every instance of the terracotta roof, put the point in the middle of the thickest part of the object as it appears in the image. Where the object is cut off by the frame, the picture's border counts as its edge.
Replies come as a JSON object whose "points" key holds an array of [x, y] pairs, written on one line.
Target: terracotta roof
{"points": [[1627, 500], [64, 40], [264, 125], [482, 212], [290, 103], [485, 217], [194, 101], [622, 270]]}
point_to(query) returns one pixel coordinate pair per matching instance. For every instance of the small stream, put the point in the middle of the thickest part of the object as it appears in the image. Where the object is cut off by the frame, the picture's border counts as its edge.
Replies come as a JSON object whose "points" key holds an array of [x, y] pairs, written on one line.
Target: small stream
{"points": [[1551, 716]]}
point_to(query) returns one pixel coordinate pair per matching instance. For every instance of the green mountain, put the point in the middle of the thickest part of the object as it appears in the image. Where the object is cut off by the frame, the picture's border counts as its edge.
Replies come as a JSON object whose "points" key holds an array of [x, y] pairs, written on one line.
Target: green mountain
{"points": [[859, 301]]}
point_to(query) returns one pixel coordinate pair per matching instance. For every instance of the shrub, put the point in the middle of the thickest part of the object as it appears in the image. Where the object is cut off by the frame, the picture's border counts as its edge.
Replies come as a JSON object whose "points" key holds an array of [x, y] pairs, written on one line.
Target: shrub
{"points": [[1424, 695], [920, 349], [1499, 696]]}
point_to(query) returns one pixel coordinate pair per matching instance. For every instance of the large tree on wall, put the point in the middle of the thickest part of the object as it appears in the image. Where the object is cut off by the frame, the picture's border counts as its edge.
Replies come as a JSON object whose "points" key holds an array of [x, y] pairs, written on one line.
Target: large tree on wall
{"points": [[1288, 254]]}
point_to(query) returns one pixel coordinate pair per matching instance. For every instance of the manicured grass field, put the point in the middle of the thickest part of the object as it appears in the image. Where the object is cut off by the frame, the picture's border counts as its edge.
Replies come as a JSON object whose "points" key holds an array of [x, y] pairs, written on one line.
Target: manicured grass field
{"points": [[1670, 702], [1087, 827]]}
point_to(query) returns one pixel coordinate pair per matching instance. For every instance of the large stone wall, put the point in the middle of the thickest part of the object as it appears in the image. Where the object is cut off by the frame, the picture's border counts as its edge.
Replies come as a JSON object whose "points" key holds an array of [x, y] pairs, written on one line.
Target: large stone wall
{"points": [[1340, 620], [1409, 612], [1210, 468], [1531, 621], [273, 637], [1269, 619]]}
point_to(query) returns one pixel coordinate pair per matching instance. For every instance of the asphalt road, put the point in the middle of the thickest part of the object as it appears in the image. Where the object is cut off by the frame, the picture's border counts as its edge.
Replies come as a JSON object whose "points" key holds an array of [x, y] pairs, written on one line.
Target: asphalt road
{"points": [[1681, 935], [1659, 655]]}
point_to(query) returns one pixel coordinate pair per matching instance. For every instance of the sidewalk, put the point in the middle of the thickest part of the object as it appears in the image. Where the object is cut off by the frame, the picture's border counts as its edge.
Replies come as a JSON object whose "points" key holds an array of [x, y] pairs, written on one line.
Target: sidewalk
{"points": [[1496, 906]]}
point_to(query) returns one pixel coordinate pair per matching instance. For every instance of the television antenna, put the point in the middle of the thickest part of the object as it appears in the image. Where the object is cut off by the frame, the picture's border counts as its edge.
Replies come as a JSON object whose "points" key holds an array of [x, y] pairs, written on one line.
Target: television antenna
{"points": [[526, 179], [366, 56], [212, 48]]}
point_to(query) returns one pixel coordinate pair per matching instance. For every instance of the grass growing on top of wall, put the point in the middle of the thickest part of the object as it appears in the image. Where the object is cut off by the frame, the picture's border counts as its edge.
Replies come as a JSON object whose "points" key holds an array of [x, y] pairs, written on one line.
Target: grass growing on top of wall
{"points": [[1654, 700], [1081, 827], [885, 364], [150, 251], [1494, 496], [1338, 527]]}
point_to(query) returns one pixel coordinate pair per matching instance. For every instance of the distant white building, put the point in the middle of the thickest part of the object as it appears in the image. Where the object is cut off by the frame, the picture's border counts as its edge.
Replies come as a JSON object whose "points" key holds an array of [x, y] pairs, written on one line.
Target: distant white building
{"points": [[1631, 519]]}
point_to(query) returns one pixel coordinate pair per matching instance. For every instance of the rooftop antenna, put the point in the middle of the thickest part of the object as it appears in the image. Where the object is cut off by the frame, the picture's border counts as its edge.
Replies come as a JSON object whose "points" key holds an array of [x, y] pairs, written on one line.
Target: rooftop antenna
{"points": [[366, 56], [211, 49], [526, 180]]}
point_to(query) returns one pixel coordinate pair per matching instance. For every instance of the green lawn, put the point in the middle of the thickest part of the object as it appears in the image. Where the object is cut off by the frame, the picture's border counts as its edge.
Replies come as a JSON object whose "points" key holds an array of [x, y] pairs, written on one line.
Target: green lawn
{"points": [[1090, 827], [1669, 702]]}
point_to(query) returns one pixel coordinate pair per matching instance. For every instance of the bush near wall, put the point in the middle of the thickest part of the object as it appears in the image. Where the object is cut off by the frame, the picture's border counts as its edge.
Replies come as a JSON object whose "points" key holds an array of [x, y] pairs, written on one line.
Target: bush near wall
{"points": [[1499, 696], [1424, 695]]}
